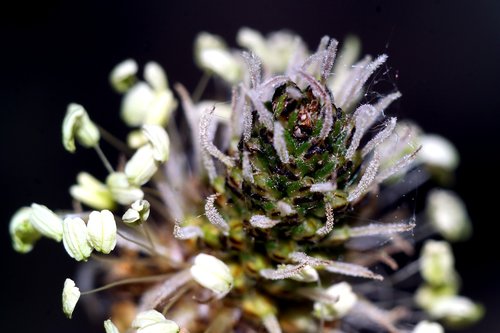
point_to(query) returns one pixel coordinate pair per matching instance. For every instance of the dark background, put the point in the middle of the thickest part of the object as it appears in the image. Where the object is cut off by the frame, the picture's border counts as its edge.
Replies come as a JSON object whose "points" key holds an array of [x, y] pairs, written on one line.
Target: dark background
{"points": [[443, 56]]}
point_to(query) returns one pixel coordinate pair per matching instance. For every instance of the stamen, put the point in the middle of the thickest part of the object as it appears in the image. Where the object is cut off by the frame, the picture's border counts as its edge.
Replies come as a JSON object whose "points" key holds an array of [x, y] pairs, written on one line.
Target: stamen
{"points": [[328, 60], [265, 116], [323, 187], [325, 230], [367, 179], [207, 144], [263, 222], [284, 272], [247, 168], [380, 137], [279, 142], [254, 68], [335, 266], [214, 216], [353, 89], [398, 166], [247, 122], [375, 229], [363, 118], [188, 232]]}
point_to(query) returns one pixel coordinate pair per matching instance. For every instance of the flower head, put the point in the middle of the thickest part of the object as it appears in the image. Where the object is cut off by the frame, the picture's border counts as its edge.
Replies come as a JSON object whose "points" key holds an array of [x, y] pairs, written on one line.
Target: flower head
{"points": [[294, 184]]}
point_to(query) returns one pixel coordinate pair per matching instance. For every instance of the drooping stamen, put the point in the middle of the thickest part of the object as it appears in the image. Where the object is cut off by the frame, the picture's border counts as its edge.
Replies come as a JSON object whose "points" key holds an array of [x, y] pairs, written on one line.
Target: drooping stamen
{"points": [[384, 102], [214, 216], [285, 209]]}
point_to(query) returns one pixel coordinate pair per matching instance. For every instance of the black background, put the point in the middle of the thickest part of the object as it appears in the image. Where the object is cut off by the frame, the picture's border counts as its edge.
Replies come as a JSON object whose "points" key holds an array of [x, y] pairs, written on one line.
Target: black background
{"points": [[443, 55]]}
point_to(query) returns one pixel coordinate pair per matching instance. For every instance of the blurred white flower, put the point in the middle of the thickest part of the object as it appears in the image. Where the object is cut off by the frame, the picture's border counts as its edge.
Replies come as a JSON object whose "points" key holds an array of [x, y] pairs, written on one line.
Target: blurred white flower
{"points": [[213, 56], [154, 322], [212, 273], [123, 76], [151, 102], [92, 192], [346, 301], [439, 152], [447, 213], [437, 263], [428, 327]]}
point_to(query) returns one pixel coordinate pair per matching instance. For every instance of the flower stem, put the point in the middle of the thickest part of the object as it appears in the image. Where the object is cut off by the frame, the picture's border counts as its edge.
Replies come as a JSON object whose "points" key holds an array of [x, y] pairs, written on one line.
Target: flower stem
{"points": [[103, 158], [143, 279]]}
